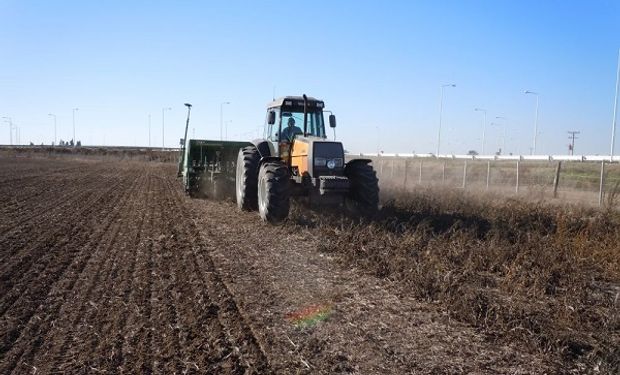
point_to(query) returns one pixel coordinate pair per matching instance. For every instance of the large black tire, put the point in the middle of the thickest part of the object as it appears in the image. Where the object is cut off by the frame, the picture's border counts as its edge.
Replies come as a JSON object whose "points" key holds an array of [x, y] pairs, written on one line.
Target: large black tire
{"points": [[273, 191], [246, 179], [363, 196]]}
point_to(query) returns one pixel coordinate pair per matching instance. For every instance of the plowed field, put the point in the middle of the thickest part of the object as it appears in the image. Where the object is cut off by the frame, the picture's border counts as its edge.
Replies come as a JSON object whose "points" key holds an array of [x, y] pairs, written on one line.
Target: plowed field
{"points": [[110, 268]]}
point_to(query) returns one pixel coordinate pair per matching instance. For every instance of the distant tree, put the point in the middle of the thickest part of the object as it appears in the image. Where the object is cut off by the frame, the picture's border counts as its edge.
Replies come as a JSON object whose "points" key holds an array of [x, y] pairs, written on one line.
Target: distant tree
{"points": [[31, 144], [472, 152], [71, 143], [79, 144], [61, 143]]}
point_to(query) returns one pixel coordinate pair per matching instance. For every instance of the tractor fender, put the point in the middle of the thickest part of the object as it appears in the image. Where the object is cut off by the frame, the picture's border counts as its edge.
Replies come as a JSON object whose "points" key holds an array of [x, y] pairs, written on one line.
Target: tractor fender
{"points": [[265, 159], [262, 145], [362, 161]]}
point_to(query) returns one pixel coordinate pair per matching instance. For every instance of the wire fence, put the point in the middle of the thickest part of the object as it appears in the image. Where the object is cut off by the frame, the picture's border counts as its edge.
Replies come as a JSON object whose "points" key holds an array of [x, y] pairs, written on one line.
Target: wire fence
{"points": [[591, 182]]}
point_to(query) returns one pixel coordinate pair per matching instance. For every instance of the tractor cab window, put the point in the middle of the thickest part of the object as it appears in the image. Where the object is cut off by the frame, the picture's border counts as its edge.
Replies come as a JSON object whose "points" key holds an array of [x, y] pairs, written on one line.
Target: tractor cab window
{"points": [[293, 123]]}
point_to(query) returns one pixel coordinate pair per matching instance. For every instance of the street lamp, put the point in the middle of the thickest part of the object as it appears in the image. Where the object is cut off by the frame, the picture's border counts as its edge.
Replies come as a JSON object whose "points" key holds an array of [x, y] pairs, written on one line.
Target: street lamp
{"points": [[440, 113], [499, 143], [504, 132], [53, 115], [74, 140], [536, 120], [613, 126], [226, 128], [484, 126], [163, 122], [9, 121], [222, 119]]}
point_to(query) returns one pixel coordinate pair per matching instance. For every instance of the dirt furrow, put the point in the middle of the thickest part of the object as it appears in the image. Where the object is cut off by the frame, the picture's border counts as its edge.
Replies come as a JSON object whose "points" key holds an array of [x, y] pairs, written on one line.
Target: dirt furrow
{"points": [[61, 287], [49, 250]]}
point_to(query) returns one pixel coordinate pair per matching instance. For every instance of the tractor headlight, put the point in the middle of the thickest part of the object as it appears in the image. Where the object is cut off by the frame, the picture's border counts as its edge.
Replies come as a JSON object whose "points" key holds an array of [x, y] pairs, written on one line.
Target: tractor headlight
{"points": [[331, 164], [320, 162]]}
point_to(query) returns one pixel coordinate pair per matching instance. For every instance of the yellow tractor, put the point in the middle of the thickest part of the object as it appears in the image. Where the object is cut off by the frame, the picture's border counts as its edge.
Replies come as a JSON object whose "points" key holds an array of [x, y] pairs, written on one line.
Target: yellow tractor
{"points": [[295, 158]]}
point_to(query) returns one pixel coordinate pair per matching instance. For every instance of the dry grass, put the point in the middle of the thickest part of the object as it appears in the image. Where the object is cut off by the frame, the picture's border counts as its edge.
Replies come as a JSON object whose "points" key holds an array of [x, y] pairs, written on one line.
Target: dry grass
{"points": [[542, 277]]}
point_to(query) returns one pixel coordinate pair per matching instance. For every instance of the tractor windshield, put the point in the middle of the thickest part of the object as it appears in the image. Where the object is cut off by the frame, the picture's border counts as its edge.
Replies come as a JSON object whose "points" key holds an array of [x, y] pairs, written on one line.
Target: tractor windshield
{"points": [[316, 127]]}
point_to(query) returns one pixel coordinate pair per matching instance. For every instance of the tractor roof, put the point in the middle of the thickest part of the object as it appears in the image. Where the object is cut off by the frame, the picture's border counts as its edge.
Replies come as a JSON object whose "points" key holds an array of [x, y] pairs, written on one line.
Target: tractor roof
{"points": [[295, 101]]}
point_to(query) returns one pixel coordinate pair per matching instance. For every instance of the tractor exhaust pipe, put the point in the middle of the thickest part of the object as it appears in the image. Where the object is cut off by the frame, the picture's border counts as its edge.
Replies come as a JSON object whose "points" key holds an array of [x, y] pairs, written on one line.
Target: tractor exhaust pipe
{"points": [[305, 115]]}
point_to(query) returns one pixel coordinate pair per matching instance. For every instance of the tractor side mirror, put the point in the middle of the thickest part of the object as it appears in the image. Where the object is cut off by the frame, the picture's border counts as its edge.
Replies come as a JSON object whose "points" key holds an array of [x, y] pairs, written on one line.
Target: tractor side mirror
{"points": [[332, 121], [272, 118]]}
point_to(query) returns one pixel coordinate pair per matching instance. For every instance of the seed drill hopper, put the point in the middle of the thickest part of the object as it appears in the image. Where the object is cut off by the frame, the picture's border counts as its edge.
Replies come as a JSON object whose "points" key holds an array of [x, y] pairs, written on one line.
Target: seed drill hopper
{"points": [[208, 166]]}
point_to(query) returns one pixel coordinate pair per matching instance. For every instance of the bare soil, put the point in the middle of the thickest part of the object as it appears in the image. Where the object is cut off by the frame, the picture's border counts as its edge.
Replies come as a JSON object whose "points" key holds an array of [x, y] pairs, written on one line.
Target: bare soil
{"points": [[107, 267]]}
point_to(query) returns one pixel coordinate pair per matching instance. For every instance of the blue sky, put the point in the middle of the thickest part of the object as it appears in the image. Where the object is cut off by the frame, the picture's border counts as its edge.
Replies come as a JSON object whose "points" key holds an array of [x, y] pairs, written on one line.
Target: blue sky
{"points": [[378, 65]]}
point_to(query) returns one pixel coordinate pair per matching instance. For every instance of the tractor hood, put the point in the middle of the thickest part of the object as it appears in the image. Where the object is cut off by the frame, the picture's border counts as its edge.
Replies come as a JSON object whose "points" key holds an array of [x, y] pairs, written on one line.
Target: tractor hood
{"points": [[317, 157]]}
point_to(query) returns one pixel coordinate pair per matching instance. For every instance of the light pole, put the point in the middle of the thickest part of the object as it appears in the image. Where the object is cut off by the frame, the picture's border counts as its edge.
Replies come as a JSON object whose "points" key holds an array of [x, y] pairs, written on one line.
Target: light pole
{"points": [[535, 121], [74, 140], [440, 113], [613, 126], [484, 127], [226, 128], [503, 132], [54, 116], [9, 121], [222, 119], [499, 143], [163, 123]]}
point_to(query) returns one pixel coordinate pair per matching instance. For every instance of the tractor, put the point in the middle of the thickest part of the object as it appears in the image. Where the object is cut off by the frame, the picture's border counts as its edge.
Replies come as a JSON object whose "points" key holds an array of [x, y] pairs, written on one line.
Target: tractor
{"points": [[295, 159]]}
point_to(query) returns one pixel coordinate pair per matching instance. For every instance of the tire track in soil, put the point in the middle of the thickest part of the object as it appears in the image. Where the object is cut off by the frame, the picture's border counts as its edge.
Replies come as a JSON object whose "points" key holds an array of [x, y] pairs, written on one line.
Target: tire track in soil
{"points": [[239, 331], [220, 354], [59, 290]]}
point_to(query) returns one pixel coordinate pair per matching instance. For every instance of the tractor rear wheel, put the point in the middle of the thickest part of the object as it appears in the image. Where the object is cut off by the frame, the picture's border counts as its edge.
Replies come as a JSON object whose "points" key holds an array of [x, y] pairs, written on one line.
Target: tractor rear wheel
{"points": [[246, 180], [363, 196], [273, 191]]}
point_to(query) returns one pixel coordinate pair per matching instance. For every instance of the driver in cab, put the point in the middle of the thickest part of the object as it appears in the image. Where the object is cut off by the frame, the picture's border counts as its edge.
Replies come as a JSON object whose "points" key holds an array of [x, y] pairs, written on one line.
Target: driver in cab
{"points": [[290, 131]]}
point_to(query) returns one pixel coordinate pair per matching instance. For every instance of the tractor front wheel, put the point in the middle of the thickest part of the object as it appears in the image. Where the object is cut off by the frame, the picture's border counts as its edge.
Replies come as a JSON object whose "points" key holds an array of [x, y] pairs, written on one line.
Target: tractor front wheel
{"points": [[363, 197], [273, 191]]}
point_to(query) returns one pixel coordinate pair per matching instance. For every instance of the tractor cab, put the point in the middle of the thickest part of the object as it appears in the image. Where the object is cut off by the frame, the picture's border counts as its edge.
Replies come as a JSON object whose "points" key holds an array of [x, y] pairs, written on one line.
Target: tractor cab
{"points": [[291, 117]]}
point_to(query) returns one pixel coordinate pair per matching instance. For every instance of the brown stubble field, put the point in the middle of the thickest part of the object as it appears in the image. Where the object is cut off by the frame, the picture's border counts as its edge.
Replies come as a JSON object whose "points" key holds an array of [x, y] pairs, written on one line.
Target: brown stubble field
{"points": [[106, 266]]}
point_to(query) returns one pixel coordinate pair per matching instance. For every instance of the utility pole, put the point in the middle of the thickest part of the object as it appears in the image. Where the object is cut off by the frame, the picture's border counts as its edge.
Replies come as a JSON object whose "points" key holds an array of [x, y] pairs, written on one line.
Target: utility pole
{"points": [[163, 122], [9, 121], [535, 120], [613, 126], [55, 138], [571, 136], [440, 114], [74, 140]]}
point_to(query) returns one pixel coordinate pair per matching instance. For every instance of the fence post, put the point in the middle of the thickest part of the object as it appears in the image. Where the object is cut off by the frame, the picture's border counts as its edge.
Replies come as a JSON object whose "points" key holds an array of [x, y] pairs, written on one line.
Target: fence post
{"points": [[465, 174], [517, 187], [556, 179], [488, 173], [420, 175], [406, 170], [443, 173], [601, 190]]}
